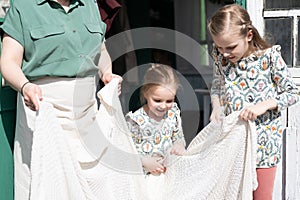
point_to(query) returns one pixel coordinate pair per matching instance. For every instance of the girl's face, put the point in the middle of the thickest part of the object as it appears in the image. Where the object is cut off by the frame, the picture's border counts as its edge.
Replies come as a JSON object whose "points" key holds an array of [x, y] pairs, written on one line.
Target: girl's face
{"points": [[233, 46], [160, 99]]}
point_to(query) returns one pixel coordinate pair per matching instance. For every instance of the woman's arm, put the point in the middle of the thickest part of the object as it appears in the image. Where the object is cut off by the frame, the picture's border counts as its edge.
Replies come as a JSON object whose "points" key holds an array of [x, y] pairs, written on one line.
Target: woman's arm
{"points": [[11, 62], [105, 68], [105, 65]]}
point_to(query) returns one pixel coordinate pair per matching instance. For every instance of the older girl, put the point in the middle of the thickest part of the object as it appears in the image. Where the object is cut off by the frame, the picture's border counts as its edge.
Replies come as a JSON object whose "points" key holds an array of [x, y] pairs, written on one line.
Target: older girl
{"points": [[251, 76]]}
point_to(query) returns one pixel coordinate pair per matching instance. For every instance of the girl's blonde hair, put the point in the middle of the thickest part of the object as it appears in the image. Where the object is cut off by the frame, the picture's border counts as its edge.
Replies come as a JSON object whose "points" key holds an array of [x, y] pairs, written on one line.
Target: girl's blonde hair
{"points": [[159, 75], [235, 18]]}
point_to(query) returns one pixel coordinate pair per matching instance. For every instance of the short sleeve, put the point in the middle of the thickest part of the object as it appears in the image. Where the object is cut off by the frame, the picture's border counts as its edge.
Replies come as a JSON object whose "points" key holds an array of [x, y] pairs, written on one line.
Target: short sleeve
{"points": [[12, 25]]}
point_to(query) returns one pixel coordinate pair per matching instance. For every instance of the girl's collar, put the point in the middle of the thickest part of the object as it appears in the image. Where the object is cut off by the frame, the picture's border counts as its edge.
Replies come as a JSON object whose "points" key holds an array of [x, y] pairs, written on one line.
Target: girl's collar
{"points": [[252, 56], [145, 111]]}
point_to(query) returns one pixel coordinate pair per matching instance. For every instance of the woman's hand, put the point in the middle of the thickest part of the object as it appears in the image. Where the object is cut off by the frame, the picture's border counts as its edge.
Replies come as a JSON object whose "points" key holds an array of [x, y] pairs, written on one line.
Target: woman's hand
{"points": [[107, 77], [32, 93], [153, 165]]}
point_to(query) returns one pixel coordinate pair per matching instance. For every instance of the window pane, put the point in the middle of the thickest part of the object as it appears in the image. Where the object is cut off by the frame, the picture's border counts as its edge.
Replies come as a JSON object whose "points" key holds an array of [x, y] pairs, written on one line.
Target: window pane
{"points": [[278, 31], [292, 4]]}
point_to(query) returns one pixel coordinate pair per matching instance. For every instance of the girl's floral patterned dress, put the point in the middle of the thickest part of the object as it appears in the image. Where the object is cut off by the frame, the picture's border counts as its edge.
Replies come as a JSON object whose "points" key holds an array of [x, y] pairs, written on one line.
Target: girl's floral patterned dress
{"points": [[258, 77], [152, 137]]}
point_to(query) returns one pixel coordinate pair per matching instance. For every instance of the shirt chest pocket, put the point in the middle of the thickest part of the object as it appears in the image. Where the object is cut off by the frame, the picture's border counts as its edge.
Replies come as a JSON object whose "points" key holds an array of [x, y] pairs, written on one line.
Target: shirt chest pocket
{"points": [[46, 31], [94, 28], [48, 43], [95, 33]]}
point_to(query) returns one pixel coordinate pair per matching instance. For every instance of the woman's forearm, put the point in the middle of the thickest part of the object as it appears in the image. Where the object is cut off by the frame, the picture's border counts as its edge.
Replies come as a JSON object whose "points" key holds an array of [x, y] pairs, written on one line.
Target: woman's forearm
{"points": [[104, 64]]}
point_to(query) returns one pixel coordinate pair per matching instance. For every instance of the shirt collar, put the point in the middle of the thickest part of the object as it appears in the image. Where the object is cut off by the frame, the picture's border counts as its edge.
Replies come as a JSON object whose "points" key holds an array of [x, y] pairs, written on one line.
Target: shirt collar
{"points": [[40, 1], [43, 1]]}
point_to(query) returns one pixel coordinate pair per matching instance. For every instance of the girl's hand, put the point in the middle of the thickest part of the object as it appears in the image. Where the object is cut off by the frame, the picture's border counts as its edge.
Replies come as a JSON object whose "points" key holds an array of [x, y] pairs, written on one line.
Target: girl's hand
{"points": [[217, 114], [251, 112], [178, 149], [32, 93], [153, 165]]}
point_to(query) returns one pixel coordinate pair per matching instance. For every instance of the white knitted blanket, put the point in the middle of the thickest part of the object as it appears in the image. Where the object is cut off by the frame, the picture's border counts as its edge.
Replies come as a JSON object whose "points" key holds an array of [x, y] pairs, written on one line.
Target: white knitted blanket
{"points": [[58, 175], [55, 173], [220, 163]]}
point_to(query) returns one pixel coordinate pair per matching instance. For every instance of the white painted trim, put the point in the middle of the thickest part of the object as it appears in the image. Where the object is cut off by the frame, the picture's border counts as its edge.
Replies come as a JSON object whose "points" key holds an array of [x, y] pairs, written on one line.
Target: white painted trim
{"points": [[295, 72], [281, 13], [294, 13], [295, 39], [255, 10], [293, 154]]}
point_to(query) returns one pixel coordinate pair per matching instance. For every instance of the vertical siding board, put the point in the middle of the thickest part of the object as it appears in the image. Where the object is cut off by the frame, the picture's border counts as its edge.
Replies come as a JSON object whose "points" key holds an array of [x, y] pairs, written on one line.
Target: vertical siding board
{"points": [[293, 154], [278, 192], [291, 168]]}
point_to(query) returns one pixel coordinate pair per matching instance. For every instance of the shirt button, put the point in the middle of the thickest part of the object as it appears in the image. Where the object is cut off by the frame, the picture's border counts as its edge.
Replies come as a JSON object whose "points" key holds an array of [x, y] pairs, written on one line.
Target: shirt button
{"points": [[74, 31]]}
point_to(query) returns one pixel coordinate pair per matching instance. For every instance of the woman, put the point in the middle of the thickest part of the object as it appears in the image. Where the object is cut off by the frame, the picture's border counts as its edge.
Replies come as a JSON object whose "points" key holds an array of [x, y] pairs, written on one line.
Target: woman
{"points": [[46, 56]]}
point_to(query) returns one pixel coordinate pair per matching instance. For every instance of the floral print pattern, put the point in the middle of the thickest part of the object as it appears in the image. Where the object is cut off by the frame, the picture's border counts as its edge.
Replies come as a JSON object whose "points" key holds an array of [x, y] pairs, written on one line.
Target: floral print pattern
{"points": [[152, 137], [262, 75]]}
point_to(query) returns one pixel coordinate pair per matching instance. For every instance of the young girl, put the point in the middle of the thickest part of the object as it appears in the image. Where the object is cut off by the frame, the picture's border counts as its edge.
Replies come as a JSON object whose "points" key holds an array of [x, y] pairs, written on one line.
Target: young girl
{"points": [[251, 76], [156, 126]]}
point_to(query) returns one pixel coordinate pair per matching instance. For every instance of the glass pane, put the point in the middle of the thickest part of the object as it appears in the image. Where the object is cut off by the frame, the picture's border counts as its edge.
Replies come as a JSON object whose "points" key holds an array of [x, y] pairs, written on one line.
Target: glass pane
{"points": [[279, 31], [292, 4], [298, 47]]}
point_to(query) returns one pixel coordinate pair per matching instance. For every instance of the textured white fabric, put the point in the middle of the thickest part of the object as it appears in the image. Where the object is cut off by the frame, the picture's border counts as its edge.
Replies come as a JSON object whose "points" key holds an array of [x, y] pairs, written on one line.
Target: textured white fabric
{"points": [[119, 172], [76, 102], [57, 174], [220, 163]]}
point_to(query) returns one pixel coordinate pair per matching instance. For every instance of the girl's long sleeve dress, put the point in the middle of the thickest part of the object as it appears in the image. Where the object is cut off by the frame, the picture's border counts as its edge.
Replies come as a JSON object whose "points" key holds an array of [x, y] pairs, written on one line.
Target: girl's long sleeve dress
{"points": [[256, 78]]}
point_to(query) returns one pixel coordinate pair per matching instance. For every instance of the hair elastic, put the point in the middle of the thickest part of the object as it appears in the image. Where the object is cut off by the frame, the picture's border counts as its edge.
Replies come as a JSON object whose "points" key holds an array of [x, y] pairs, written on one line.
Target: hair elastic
{"points": [[21, 91]]}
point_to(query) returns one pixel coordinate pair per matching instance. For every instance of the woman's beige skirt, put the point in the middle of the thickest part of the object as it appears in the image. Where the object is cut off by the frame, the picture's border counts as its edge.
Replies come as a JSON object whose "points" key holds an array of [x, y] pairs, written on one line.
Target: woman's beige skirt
{"points": [[73, 99], [70, 150]]}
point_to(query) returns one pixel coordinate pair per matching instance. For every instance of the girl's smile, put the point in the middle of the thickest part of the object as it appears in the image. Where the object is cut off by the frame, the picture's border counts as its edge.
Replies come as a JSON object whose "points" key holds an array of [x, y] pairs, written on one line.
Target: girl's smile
{"points": [[160, 99]]}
